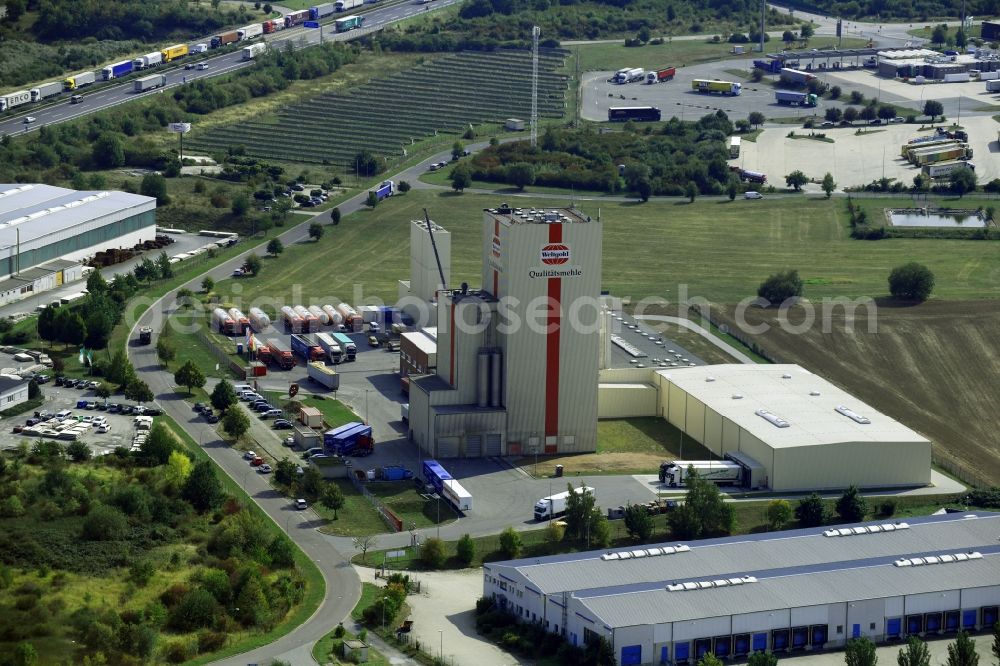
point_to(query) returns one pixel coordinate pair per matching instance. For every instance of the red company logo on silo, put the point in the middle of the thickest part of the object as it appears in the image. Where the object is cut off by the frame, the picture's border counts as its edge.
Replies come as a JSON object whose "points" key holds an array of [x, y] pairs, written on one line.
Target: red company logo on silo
{"points": [[555, 254], [496, 246]]}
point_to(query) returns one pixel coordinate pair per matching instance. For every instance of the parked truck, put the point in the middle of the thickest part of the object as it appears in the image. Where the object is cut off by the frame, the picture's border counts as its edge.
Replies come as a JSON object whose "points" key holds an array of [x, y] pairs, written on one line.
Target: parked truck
{"points": [[330, 347], [336, 319], [445, 485], [349, 314], [309, 320], [224, 39], [931, 156], [149, 60], [46, 90], [344, 5], [993, 86], [240, 321], [719, 472], [117, 70], [259, 319], [769, 66], [629, 75], [322, 317], [149, 83], [279, 354], [385, 189], [221, 321], [389, 473], [293, 322], [749, 176], [305, 348], [795, 98], [79, 81], [145, 335], [351, 439], [321, 11], [251, 31], [716, 86], [322, 375], [945, 169], [14, 99], [254, 50], [927, 142], [796, 76], [174, 52], [661, 75], [626, 113], [346, 344], [554, 506]]}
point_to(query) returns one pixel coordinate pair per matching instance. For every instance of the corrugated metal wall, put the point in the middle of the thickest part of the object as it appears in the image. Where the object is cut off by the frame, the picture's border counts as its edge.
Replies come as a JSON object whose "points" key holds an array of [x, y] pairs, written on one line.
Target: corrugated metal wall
{"points": [[619, 401], [865, 464]]}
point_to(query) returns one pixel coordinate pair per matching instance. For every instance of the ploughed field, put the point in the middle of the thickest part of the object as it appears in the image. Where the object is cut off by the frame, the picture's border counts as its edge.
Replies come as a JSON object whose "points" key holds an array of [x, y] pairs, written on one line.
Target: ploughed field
{"points": [[386, 115], [934, 367]]}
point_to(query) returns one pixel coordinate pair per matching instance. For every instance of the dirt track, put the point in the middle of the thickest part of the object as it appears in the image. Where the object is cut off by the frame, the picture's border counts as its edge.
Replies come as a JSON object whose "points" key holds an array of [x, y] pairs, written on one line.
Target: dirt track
{"points": [[934, 367]]}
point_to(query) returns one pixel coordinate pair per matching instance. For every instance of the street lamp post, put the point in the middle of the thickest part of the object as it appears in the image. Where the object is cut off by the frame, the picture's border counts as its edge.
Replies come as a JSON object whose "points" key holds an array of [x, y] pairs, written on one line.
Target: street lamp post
{"points": [[366, 406]]}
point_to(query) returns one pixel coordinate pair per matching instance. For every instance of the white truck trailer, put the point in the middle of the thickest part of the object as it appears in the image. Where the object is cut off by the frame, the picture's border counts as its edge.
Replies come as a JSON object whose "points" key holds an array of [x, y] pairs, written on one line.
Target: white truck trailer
{"points": [[319, 373], [14, 99], [457, 496], [719, 472], [254, 50], [332, 348], [554, 506], [46, 90], [149, 83]]}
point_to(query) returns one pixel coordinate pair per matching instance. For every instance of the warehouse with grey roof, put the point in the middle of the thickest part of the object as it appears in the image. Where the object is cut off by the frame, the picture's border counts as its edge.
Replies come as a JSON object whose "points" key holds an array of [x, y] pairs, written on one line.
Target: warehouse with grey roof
{"points": [[806, 589]]}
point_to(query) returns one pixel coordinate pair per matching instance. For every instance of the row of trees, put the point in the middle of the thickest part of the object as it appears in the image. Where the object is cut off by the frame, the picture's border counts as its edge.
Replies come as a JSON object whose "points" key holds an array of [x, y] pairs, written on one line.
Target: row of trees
{"points": [[909, 282]]}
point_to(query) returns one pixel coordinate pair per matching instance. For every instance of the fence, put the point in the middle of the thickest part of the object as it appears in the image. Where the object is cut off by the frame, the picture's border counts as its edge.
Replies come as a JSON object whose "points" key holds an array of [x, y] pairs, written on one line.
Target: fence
{"points": [[745, 340], [390, 518], [223, 358]]}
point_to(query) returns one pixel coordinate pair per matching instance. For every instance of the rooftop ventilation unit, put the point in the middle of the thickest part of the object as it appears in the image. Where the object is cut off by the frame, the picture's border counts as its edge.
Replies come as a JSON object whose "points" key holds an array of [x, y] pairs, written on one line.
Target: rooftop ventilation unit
{"points": [[644, 552], [869, 529], [937, 559], [708, 584], [851, 414], [814, 393], [774, 420], [15, 190], [709, 379], [786, 376]]}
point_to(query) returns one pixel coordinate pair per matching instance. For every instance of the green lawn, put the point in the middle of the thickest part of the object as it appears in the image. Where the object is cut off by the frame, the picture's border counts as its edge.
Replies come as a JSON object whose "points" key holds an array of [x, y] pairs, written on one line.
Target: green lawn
{"points": [[402, 498], [646, 435], [720, 250], [357, 518]]}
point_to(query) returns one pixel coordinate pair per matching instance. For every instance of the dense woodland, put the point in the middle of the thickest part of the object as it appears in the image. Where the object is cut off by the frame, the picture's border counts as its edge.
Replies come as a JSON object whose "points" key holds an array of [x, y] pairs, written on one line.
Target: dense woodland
{"points": [[898, 10]]}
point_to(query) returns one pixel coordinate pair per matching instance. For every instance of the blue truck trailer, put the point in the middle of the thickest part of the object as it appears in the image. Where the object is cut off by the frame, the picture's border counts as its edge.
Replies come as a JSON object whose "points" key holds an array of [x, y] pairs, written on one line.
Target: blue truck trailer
{"points": [[769, 66], [445, 485], [321, 11], [351, 439], [117, 70]]}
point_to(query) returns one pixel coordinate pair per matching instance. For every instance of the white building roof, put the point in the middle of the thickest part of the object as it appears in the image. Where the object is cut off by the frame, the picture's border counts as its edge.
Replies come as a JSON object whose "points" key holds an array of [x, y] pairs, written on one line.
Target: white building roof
{"points": [[422, 341], [39, 210], [792, 395]]}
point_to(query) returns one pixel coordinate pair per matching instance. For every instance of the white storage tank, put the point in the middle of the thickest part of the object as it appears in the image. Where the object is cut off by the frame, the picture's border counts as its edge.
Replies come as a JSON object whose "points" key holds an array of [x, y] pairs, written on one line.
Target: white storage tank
{"points": [[259, 319], [318, 312], [336, 319], [346, 311]]}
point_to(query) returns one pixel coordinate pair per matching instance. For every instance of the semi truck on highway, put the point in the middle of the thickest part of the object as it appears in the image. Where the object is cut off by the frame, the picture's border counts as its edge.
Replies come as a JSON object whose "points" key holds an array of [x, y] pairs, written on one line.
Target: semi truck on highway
{"points": [[719, 472], [344, 5], [349, 23], [945, 169], [149, 83], [224, 39], [254, 50], [319, 373], [795, 98], [11, 100], [716, 86], [79, 81], [117, 70], [445, 485], [625, 113], [321, 11], [46, 90], [251, 31], [554, 506], [149, 60], [661, 75], [173, 52]]}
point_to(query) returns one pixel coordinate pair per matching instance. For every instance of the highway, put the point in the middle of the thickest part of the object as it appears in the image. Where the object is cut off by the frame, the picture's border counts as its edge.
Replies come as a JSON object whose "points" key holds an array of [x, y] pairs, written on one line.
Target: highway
{"points": [[105, 96]]}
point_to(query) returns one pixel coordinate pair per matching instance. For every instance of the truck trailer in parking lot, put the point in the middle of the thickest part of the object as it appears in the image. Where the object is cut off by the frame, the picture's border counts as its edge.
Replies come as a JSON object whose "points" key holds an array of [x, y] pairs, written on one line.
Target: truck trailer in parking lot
{"points": [[795, 98], [796, 76], [331, 347], [554, 506], [661, 75], [624, 113], [945, 169], [716, 86], [719, 472], [277, 352], [319, 373], [350, 439]]}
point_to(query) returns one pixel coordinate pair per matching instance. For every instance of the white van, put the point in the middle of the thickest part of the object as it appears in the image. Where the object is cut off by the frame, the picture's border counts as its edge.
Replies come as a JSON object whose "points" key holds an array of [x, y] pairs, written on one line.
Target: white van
{"points": [[240, 388]]}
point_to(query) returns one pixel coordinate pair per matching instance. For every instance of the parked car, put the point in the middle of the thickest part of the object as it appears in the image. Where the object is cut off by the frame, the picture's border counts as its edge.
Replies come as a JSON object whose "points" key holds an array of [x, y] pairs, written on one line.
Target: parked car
{"points": [[897, 119], [104, 427], [289, 441], [299, 187], [213, 418], [153, 411], [753, 195], [249, 455], [271, 414], [312, 452], [282, 424], [93, 385], [198, 406], [301, 504], [264, 469]]}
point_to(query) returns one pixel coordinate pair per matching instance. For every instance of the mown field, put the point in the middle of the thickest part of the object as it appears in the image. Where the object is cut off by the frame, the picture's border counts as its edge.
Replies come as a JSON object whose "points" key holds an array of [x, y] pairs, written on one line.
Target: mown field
{"points": [[718, 250], [933, 367]]}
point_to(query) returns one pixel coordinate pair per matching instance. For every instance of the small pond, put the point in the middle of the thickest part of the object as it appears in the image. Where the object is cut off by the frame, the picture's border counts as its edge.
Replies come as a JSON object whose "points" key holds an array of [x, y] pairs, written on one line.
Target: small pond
{"points": [[937, 217]]}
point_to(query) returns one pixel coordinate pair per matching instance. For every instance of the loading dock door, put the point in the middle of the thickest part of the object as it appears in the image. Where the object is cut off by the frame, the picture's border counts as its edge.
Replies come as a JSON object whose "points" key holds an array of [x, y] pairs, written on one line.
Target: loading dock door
{"points": [[969, 618], [894, 627], [760, 642], [474, 446], [631, 655], [493, 444], [682, 652]]}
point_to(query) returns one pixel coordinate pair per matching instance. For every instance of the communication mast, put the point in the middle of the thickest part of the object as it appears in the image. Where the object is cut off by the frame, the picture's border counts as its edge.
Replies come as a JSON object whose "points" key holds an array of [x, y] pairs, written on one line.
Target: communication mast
{"points": [[535, 32]]}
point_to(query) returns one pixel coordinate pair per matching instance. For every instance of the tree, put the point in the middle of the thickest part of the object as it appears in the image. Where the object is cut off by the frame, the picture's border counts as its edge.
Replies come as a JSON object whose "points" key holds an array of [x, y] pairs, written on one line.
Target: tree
{"points": [[202, 489], [933, 108], [779, 513], [138, 391], [911, 282], [108, 151], [190, 375], [275, 247], [779, 287], [600, 530], [78, 452], [520, 175], [835, 92], [235, 422], [404, 186], [886, 112], [860, 652], [638, 522], [461, 178], [833, 114], [762, 658], [852, 506], [457, 150], [71, 327], [253, 264], [178, 469], [120, 371], [810, 511], [914, 654], [643, 189], [364, 544], [806, 31], [961, 39], [796, 179], [788, 37], [164, 350], [851, 114], [756, 118], [223, 396], [252, 606], [691, 191], [963, 651], [510, 543], [25, 653], [939, 35], [335, 216], [579, 506], [465, 550], [105, 523], [828, 185], [709, 659], [962, 181], [207, 284], [47, 328], [732, 188], [14, 11], [240, 205], [332, 498], [155, 185], [315, 231], [996, 643], [103, 391], [432, 553], [310, 484], [704, 510], [158, 446]]}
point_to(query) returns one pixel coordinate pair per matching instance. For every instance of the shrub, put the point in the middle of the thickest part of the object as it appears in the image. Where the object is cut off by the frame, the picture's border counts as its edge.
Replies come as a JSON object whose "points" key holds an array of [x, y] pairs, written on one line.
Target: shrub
{"points": [[911, 282], [432, 553]]}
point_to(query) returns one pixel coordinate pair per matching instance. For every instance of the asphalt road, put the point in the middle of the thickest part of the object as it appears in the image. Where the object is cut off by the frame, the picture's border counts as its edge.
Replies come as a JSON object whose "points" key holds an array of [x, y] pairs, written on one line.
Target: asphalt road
{"points": [[107, 96]]}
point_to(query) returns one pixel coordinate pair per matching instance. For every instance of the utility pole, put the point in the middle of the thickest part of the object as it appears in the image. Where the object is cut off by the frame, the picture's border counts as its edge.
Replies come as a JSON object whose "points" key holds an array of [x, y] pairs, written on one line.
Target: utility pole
{"points": [[763, 13], [535, 32]]}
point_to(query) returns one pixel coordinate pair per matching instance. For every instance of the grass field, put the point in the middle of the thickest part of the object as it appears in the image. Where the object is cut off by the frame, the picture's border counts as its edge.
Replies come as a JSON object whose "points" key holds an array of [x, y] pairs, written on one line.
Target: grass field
{"points": [[721, 250], [933, 367]]}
